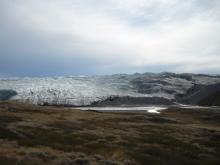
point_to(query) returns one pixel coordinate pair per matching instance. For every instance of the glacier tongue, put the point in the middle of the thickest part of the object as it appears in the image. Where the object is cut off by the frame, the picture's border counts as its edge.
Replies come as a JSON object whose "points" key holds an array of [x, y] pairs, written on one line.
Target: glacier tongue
{"points": [[83, 90], [63, 90]]}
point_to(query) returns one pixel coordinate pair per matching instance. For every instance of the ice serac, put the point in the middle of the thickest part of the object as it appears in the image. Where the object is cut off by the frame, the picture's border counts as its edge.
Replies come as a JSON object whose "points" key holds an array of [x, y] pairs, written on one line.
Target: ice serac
{"points": [[85, 90]]}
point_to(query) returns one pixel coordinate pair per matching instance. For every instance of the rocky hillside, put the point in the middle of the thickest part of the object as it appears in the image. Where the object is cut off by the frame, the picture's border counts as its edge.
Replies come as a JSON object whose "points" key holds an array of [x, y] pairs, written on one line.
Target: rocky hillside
{"points": [[205, 95]]}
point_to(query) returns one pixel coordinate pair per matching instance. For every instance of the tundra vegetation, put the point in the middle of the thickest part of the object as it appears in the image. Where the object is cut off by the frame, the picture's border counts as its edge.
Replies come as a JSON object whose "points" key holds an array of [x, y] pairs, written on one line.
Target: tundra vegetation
{"points": [[31, 134]]}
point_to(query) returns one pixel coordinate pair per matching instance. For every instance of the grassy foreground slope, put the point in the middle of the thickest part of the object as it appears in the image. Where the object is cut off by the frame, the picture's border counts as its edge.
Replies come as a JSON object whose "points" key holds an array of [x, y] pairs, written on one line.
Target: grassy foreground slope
{"points": [[50, 135]]}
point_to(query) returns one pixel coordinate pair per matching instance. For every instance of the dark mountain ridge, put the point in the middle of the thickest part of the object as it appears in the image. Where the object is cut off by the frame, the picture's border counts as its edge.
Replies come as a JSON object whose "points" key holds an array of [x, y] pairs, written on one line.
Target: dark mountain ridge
{"points": [[203, 95]]}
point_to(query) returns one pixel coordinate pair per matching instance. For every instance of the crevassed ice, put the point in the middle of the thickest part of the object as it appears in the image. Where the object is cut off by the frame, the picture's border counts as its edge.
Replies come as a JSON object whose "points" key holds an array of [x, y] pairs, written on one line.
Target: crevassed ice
{"points": [[83, 90], [64, 90]]}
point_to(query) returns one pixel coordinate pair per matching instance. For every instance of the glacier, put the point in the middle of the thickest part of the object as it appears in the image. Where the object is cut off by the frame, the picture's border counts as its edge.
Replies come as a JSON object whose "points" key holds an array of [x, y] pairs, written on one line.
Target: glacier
{"points": [[84, 90]]}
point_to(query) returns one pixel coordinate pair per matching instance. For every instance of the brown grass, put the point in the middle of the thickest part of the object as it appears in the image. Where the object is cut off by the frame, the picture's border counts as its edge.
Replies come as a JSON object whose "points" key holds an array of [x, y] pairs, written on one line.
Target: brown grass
{"points": [[51, 135]]}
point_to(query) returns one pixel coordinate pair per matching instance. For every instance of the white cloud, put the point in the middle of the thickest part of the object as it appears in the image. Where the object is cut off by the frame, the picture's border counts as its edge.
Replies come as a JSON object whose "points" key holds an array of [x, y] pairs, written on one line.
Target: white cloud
{"points": [[167, 32]]}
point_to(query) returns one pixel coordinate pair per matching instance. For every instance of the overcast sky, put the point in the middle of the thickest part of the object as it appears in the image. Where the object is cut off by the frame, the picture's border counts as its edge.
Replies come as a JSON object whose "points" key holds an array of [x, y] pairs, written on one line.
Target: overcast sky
{"points": [[87, 37]]}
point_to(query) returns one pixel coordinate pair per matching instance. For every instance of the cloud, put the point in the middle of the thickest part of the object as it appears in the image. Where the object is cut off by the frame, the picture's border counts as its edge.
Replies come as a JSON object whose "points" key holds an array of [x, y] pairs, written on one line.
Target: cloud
{"points": [[109, 36]]}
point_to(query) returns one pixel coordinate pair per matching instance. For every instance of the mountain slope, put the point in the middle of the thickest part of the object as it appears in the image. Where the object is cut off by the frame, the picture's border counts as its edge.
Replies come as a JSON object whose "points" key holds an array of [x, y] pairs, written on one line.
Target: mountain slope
{"points": [[207, 95], [211, 100]]}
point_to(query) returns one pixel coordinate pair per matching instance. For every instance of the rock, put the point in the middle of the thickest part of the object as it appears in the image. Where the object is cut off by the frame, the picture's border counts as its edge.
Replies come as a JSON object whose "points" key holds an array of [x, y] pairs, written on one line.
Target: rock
{"points": [[7, 94], [127, 100]]}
